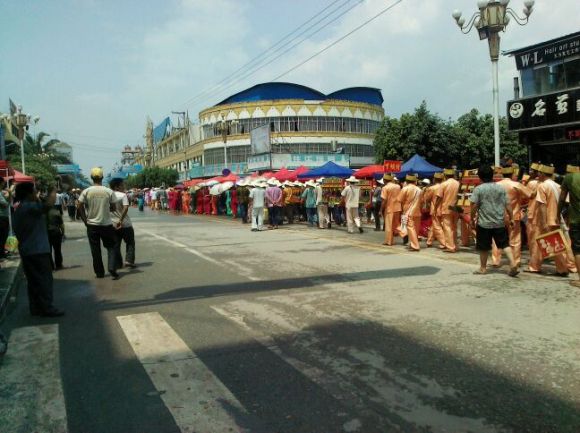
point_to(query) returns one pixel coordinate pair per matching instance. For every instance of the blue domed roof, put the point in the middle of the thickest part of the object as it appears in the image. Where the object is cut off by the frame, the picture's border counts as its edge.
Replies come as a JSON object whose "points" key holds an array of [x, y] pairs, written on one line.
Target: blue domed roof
{"points": [[273, 91], [270, 91], [367, 95]]}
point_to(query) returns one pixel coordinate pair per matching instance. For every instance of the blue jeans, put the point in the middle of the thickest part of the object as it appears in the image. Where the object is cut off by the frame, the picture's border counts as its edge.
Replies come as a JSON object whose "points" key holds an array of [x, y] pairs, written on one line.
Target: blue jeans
{"points": [[243, 212], [274, 215], [311, 215]]}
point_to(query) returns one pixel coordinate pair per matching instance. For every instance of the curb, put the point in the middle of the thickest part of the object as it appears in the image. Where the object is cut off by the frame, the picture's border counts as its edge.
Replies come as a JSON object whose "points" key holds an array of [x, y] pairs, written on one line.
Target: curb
{"points": [[9, 274]]}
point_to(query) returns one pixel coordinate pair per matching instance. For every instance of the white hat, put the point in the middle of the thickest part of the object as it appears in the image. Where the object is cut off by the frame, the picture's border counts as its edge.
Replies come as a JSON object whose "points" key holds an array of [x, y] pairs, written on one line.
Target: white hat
{"points": [[381, 182], [310, 183], [320, 180], [426, 182], [352, 179]]}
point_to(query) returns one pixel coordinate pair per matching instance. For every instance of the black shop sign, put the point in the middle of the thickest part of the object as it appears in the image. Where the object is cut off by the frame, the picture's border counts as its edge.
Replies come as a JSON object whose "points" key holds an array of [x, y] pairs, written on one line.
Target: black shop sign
{"points": [[544, 110], [548, 53]]}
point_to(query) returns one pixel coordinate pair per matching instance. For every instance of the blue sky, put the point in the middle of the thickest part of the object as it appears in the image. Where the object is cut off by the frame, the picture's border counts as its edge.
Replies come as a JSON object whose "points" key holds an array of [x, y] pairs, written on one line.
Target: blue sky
{"points": [[93, 70]]}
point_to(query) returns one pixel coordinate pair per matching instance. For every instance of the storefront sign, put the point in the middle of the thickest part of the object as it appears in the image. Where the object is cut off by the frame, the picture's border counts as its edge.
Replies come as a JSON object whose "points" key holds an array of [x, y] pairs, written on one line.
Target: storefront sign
{"points": [[551, 244], [544, 110], [276, 161], [67, 168], [547, 53], [392, 166]]}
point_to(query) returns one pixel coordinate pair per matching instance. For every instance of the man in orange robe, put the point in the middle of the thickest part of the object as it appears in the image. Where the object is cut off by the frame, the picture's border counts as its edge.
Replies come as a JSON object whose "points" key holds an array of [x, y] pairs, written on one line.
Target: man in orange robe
{"points": [[517, 195], [410, 199], [390, 207], [547, 218], [430, 198], [446, 201]]}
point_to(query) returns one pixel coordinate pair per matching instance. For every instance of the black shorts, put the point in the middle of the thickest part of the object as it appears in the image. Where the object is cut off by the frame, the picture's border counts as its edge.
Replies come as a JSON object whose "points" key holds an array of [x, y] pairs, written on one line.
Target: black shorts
{"points": [[575, 237], [485, 236]]}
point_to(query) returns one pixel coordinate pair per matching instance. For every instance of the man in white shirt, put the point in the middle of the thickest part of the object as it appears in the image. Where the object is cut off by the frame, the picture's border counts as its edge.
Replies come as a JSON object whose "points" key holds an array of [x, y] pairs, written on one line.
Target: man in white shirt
{"points": [[95, 211], [322, 206], [123, 225], [257, 200], [351, 194]]}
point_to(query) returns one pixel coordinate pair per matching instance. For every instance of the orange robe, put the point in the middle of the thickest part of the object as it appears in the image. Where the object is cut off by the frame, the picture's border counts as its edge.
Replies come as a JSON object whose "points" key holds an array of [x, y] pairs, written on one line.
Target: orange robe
{"points": [[517, 194], [410, 198], [547, 200], [436, 231], [448, 194], [392, 210]]}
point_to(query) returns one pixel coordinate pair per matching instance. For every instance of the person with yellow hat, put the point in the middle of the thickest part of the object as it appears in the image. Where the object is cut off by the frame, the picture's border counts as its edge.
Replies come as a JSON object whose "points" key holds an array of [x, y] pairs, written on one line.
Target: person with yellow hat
{"points": [[517, 195], [547, 219], [390, 207], [446, 201], [95, 211], [410, 198], [430, 199], [530, 212]]}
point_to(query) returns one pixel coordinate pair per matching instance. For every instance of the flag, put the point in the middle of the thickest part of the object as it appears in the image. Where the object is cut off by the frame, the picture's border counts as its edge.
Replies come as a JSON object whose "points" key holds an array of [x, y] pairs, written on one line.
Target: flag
{"points": [[13, 107]]}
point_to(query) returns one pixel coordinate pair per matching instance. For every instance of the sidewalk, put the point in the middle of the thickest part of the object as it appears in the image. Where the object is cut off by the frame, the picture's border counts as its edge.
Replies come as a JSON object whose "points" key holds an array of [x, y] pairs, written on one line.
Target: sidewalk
{"points": [[9, 274]]}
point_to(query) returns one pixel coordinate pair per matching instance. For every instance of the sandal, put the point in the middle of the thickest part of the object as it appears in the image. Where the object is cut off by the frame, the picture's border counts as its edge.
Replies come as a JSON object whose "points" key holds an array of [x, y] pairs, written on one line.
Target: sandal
{"points": [[479, 272], [513, 272]]}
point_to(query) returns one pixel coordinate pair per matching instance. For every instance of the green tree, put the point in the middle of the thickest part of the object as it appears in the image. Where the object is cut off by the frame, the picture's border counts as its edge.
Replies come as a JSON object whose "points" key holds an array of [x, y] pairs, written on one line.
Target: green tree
{"points": [[153, 177], [466, 142], [38, 166]]}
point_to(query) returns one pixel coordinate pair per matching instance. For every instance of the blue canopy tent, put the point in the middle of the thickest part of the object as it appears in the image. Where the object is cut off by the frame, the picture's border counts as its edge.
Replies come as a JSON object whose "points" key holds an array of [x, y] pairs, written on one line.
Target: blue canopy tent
{"points": [[420, 166], [330, 169]]}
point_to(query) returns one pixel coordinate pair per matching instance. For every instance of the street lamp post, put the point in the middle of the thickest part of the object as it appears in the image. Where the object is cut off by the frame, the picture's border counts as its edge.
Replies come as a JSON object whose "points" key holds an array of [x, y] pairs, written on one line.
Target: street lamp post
{"points": [[493, 18]]}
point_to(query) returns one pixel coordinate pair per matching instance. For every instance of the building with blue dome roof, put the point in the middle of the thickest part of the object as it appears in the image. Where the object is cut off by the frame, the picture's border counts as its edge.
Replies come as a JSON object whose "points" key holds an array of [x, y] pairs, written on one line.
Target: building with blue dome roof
{"points": [[306, 127]]}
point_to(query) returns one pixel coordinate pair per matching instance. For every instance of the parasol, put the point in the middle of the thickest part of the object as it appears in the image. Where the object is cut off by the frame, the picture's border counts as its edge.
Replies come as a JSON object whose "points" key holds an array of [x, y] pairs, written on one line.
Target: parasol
{"points": [[216, 189]]}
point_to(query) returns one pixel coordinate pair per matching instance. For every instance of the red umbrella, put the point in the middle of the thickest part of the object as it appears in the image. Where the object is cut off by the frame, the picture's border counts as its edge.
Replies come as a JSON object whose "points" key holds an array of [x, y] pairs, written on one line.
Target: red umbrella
{"points": [[283, 175], [369, 171], [229, 178], [294, 174]]}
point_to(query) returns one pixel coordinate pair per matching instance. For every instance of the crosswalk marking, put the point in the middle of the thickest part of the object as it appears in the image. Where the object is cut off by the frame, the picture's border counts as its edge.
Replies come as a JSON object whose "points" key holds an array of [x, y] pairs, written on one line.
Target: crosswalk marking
{"points": [[31, 395], [197, 399]]}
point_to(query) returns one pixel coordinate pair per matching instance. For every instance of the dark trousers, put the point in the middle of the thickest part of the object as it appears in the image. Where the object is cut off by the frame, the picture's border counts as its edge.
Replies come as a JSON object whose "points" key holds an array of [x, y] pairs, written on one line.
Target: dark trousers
{"points": [[107, 235], [243, 212], [311, 215], [127, 235], [274, 215], [4, 231], [38, 271], [377, 215], [289, 213], [72, 210], [55, 240]]}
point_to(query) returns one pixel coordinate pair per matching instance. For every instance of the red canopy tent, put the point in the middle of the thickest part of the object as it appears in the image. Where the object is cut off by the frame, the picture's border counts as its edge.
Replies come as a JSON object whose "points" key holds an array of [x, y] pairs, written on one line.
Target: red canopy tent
{"points": [[294, 174], [369, 171], [18, 177], [283, 175]]}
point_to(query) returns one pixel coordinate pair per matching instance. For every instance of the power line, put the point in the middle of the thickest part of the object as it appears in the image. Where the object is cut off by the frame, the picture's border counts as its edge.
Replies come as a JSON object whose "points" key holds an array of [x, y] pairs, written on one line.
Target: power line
{"points": [[388, 8], [259, 67], [259, 56]]}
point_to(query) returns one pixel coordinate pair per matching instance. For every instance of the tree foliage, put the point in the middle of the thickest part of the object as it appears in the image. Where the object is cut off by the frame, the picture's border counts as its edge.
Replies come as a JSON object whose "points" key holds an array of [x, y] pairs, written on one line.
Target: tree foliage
{"points": [[153, 177], [466, 142]]}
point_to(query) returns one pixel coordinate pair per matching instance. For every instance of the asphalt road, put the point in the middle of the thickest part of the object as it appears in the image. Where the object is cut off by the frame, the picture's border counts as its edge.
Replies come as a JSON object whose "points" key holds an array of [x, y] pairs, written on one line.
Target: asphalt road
{"points": [[292, 330]]}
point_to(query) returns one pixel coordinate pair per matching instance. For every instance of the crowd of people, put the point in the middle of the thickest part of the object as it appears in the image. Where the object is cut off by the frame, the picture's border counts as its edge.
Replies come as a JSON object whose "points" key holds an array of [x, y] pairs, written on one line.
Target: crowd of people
{"points": [[411, 208], [39, 227]]}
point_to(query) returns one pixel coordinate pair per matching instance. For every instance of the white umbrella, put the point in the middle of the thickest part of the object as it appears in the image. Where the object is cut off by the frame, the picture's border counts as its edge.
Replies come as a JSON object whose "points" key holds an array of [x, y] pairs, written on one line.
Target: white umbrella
{"points": [[226, 185], [215, 190], [211, 183]]}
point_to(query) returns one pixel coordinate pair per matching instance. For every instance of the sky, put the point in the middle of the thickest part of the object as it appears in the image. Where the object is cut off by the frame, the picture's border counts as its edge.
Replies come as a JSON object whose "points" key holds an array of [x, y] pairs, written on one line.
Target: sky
{"points": [[94, 70]]}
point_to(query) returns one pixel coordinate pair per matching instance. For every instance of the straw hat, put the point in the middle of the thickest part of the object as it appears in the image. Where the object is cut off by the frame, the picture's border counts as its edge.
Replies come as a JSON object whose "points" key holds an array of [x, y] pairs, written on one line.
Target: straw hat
{"points": [[449, 172], [388, 177], [507, 170], [535, 166], [352, 179], [310, 183], [547, 169], [438, 176], [572, 169], [411, 178]]}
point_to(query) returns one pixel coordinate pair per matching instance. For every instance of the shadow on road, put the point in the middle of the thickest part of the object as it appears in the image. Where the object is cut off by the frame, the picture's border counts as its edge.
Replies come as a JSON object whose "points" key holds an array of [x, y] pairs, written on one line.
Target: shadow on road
{"points": [[216, 290]]}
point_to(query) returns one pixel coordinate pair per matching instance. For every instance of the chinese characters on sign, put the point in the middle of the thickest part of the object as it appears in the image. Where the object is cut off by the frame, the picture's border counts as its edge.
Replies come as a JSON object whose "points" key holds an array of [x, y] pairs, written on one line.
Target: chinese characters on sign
{"points": [[546, 110], [392, 166]]}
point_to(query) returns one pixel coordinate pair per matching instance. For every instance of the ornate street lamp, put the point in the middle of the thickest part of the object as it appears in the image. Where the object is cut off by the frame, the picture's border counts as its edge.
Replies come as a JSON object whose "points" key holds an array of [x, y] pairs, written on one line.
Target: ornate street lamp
{"points": [[493, 18]]}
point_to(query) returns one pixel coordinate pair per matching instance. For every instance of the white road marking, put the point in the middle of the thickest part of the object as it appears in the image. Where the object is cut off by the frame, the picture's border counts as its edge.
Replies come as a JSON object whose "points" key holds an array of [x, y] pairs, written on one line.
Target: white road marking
{"points": [[192, 393], [31, 395], [244, 272]]}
